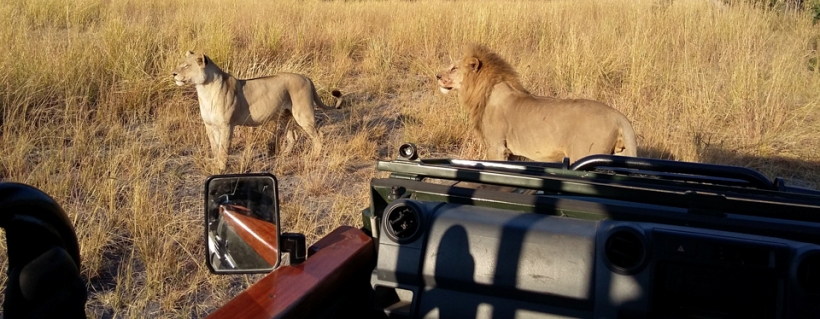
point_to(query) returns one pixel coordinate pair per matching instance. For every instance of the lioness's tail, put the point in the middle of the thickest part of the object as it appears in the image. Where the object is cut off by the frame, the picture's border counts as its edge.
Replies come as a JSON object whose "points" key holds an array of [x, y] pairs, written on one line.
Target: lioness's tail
{"points": [[628, 139], [318, 100]]}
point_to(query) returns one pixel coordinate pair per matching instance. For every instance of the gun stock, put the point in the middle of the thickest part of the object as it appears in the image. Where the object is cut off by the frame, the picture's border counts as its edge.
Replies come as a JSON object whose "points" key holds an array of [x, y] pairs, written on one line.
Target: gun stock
{"points": [[258, 234], [292, 291]]}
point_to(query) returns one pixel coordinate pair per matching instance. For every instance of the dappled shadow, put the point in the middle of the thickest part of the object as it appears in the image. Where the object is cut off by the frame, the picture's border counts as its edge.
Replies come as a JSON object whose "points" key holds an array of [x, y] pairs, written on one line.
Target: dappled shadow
{"points": [[349, 99], [377, 115], [105, 281], [456, 267], [795, 172], [393, 124], [655, 152]]}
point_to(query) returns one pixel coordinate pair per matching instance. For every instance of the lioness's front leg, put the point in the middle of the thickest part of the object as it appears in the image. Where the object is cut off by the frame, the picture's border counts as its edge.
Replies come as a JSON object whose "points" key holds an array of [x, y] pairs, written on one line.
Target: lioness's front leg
{"points": [[222, 142], [211, 132]]}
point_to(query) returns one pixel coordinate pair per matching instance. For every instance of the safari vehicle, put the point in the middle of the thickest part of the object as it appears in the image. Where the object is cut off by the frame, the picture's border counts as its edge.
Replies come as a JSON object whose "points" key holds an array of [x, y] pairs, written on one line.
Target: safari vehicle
{"points": [[605, 237]]}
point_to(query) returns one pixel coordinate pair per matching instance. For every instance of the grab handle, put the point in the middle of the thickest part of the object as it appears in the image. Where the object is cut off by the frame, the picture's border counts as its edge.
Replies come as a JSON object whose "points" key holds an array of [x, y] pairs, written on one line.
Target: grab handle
{"points": [[754, 178]]}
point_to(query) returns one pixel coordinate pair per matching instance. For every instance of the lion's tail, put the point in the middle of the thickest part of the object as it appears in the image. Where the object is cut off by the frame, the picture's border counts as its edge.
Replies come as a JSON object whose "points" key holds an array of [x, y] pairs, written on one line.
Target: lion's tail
{"points": [[628, 139], [318, 100]]}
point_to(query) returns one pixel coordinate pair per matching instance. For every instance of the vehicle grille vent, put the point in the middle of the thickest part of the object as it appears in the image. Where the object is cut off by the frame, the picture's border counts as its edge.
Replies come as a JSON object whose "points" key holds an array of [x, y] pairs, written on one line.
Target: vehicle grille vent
{"points": [[625, 251], [402, 222]]}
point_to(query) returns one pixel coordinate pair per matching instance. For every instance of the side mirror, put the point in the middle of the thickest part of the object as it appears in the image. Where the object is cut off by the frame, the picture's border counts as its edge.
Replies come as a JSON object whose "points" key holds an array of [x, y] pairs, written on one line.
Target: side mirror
{"points": [[242, 223]]}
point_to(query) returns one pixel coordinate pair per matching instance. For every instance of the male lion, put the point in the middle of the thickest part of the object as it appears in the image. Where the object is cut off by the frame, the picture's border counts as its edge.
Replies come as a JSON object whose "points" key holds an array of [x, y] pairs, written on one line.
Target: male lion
{"points": [[513, 122], [225, 102]]}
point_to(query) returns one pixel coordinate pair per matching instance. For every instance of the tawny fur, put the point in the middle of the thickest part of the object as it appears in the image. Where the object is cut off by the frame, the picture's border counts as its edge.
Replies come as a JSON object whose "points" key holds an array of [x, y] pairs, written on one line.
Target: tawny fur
{"points": [[513, 122], [225, 102]]}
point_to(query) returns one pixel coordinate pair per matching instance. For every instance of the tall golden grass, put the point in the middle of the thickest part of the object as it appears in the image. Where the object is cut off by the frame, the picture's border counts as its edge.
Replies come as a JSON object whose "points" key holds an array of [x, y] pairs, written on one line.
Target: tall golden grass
{"points": [[90, 114]]}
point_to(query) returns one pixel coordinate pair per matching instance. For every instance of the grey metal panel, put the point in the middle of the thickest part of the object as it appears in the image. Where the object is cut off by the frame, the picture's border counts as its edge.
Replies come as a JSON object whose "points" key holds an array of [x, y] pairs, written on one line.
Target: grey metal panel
{"points": [[619, 293], [630, 295], [486, 262], [439, 303], [510, 250], [401, 262], [399, 265]]}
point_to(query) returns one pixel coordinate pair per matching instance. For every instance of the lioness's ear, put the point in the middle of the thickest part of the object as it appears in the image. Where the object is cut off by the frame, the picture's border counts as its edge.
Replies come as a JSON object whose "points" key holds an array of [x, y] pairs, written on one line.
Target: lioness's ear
{"points": [[474, 63], [189, 53]]}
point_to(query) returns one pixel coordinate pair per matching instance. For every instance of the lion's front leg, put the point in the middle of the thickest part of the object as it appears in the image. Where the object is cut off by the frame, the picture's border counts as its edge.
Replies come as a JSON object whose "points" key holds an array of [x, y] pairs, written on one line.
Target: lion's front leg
{"points": [[498, 152], [495, 144]]}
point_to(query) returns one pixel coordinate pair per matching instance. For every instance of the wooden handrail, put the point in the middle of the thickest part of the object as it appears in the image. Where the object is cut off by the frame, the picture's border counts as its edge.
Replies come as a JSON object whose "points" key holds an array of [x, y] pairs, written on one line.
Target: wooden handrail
{"points": [[292, 291], [258, 234]]}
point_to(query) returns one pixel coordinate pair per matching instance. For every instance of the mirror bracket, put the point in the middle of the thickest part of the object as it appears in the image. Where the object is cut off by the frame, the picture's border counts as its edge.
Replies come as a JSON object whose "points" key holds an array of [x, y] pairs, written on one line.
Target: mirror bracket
{"points": [[294, 245]]}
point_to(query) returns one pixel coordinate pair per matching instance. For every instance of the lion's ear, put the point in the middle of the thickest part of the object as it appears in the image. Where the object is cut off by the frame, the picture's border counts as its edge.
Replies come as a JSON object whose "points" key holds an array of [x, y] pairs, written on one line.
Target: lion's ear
{"points": [[189, 53], [201, 60], [473, 63]]}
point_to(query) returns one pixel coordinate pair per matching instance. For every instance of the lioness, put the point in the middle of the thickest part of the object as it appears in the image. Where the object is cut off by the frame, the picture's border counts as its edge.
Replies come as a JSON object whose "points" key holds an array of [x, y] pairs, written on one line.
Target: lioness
{"points": [[225, 101], [513, 122]]}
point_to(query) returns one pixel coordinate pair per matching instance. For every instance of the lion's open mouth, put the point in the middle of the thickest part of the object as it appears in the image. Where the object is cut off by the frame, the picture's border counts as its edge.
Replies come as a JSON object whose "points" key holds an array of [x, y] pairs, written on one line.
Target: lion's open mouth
{"points": [[445, 89]]}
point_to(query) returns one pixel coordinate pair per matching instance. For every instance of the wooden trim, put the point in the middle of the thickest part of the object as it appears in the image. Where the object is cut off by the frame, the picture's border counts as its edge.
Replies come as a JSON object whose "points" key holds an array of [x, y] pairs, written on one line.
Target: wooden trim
{"points": [[258, 234], [292, 291]]}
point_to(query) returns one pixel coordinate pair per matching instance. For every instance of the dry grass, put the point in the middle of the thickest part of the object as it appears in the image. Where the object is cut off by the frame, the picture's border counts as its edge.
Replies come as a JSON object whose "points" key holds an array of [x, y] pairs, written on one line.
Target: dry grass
{"points": [[90, 114]]}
